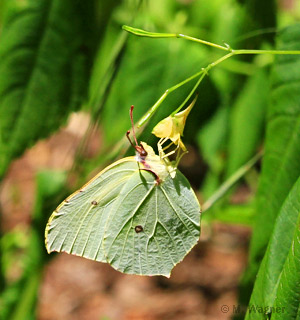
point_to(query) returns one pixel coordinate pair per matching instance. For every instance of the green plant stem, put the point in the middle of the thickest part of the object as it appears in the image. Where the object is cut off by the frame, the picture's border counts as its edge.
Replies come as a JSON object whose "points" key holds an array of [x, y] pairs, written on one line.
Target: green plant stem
{"points": [[244, 51], [143, 33], [151, 111], [230, 182], [191, 93], [203, 72]]}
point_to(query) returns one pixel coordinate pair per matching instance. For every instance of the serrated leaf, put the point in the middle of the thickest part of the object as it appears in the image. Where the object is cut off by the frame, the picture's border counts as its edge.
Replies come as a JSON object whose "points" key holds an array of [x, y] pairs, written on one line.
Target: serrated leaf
{"points": [[288, 294], [124, 217], [278, 280], [281, 165], [43, 68]]}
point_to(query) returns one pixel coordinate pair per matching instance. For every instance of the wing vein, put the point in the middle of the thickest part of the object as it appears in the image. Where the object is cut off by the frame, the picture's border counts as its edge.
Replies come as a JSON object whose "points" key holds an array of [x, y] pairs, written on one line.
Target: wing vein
{"points": [[134, 211]]}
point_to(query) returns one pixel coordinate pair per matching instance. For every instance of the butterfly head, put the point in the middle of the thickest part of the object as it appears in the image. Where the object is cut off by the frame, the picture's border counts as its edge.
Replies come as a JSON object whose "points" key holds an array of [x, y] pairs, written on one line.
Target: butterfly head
{"points": [[140, 150]]}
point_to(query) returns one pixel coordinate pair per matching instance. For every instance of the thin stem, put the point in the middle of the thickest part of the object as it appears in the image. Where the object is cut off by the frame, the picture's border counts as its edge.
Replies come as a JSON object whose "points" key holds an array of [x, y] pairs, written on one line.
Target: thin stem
{"points": [[183, 36], [244, 51], [202, 73], [231, 181], [132, 125], [205, 72], [151, 111], [190, 94], [213, 64], [143, 33]]}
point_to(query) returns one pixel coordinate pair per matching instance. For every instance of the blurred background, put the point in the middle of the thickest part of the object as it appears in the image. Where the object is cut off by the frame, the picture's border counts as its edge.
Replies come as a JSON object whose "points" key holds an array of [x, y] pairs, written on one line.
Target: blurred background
{"points": [[68, 76]]}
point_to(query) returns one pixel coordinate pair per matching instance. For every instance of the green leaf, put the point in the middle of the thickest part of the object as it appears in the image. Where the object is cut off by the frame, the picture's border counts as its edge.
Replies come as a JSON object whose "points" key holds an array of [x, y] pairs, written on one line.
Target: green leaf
{"points": [[106, 64], [281, 165], [278, 280], [211, 141], [44, 52], [123, 216], [109, 55], [247, 121], [212, 137], [288, 294]]}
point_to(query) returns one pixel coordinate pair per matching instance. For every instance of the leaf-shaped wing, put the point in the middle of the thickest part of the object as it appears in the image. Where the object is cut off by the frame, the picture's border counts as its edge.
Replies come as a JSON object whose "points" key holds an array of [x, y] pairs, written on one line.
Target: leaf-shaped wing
{"points": [[123, 217]]}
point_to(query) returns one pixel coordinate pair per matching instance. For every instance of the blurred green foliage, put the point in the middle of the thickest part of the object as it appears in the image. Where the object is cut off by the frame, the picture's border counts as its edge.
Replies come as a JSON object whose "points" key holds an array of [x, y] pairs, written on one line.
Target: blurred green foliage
{"points": [[57, 57]]}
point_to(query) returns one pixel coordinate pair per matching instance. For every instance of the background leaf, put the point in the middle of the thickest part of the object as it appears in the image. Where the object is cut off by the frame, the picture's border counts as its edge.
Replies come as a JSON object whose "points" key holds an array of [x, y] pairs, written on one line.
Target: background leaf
{"points": [[288, 293], [41, 78], [247, 121], [278, 280], [281, 165]]}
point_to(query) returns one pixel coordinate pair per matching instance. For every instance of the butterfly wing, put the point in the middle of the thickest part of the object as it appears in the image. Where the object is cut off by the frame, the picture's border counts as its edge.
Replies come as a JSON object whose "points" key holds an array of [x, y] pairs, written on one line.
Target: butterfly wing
{"points": [[158, 226], [124, 217], [77, 226]]}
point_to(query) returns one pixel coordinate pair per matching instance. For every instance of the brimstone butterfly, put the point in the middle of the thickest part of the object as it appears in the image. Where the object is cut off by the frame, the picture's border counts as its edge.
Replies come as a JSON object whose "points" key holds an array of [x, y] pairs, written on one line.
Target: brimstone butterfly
{"points": [[134, 215]]}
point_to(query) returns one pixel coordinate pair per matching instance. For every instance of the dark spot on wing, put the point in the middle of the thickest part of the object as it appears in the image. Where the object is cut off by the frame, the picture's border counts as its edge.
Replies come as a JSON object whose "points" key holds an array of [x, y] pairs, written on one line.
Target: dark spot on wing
{"points": [[138, 229], [94, 202]]}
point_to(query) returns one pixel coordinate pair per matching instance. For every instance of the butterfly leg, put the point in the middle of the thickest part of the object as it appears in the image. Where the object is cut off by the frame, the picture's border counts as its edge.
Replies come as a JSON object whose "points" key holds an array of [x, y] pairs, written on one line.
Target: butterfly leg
{"points": [[171, 152], [179, 156], [168, 146], [159, 146]]}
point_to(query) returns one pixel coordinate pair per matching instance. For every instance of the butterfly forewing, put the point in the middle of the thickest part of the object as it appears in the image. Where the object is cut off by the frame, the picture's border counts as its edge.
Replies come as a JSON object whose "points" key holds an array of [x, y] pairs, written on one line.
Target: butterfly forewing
{"points": [[77, 226]]}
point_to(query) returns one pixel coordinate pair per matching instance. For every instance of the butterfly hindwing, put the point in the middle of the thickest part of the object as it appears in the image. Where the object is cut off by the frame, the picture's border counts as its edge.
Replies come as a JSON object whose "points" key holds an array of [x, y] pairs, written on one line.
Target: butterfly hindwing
{"points": [[169, 216]]}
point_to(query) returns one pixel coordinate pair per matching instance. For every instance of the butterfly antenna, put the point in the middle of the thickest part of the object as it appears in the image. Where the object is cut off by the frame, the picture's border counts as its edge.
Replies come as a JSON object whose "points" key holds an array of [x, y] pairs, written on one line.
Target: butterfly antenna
{"points": [[127, 135], [132, 125], [139, 148]]}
